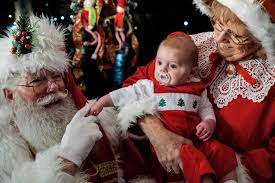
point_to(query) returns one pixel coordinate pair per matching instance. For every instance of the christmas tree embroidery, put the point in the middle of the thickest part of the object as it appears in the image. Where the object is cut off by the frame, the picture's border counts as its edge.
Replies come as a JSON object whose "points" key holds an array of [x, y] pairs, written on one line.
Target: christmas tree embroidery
{"points": [[195, 104], [181, 102], [162, 103]]}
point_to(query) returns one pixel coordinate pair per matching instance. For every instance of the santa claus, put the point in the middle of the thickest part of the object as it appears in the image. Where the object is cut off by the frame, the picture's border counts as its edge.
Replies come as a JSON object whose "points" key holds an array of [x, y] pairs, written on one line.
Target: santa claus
{"points": [[42, 136]]}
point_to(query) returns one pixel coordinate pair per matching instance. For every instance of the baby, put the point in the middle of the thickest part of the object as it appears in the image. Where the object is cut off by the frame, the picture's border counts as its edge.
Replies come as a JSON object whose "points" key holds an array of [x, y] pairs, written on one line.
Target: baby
{"points": [[183, 106]]}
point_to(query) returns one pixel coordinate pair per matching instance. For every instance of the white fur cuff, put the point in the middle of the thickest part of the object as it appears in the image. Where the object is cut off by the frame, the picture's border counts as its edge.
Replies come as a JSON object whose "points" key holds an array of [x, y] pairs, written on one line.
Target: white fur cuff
{"points": [[130, 112], [242, 172]]}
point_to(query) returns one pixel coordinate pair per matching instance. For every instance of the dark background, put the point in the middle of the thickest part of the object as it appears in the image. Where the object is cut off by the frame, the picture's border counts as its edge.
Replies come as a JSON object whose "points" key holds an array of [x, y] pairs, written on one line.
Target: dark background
{"points": [[154, 19]]}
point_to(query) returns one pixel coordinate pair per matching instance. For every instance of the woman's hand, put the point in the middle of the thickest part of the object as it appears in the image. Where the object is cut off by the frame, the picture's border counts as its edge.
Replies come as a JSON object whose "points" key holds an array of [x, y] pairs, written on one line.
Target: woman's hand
{"points": [[166, 144]]}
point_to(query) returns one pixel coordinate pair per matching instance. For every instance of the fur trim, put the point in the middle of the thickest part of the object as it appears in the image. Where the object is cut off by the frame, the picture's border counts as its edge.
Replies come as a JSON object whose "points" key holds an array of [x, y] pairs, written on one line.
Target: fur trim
{"points": [[242, 172], [130, 112], [13, 151], [204, 8], [110, 125], [48, 51], [45, 168], [5, 113], [17, 165], [142, 179], [258, 22]]}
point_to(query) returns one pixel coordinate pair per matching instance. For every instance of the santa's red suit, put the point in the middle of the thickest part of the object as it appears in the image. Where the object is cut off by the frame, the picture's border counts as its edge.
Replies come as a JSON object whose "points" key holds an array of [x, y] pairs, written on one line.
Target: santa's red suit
{"points": [[245, 114], [180, 109]]}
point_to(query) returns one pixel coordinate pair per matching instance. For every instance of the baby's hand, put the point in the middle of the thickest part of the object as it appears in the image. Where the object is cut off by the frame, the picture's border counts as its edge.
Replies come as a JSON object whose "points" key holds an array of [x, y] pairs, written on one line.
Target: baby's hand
{"points": [[205, 129], [95, 109]]}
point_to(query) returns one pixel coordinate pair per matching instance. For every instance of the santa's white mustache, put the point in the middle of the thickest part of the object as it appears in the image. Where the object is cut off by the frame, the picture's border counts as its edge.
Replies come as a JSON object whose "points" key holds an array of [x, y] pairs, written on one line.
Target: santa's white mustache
{"points": [[53, 97]]}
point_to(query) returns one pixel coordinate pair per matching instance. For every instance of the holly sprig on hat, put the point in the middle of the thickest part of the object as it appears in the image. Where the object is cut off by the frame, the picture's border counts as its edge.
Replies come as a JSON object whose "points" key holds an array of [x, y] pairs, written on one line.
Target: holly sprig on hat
{"points": [[22, 36]]}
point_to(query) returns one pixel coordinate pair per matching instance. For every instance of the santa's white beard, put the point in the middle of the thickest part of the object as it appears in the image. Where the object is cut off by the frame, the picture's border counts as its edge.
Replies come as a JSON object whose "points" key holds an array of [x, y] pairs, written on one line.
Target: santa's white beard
{"points": [[40, 126]]}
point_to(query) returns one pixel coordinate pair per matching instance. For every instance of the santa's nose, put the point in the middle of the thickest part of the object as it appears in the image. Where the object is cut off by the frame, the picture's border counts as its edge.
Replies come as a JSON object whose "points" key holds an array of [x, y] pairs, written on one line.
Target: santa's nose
{"points": [[222, 36], [52, 86]]}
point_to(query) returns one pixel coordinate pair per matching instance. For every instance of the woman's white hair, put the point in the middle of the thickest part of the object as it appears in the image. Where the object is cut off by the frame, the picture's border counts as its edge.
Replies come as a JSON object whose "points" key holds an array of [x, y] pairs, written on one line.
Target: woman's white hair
{"points": [[256, 18]]}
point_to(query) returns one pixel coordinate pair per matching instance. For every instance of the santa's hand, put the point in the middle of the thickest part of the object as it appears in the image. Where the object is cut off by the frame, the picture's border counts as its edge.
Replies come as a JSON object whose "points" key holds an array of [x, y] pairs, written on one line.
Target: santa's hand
{"points": [[205, 129], [80, 136]]}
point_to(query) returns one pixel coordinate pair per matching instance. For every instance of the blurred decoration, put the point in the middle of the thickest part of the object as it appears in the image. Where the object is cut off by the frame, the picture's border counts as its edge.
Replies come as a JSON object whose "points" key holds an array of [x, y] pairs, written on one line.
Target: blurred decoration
{"points": [[120, 66], [145, 23], [100, 42]]}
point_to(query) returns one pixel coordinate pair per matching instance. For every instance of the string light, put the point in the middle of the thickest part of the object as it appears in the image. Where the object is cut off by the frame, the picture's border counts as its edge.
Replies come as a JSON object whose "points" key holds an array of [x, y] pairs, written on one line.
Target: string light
{"points": [[62, 18], [10, 16], [185, 23]]}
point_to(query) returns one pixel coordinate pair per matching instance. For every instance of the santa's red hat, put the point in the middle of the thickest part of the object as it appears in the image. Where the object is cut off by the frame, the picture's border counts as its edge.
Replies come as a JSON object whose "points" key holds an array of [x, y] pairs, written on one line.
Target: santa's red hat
{"points": [[258, 15]]}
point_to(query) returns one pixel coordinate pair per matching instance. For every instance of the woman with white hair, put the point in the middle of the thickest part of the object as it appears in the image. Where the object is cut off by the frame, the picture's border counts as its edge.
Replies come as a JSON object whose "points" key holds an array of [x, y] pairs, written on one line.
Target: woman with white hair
{"points": [[236, 61]]}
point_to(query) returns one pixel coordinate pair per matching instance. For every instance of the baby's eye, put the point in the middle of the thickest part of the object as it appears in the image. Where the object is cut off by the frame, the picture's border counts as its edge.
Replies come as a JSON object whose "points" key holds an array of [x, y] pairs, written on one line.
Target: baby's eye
{"points": [[173, 66], [159, 62]]}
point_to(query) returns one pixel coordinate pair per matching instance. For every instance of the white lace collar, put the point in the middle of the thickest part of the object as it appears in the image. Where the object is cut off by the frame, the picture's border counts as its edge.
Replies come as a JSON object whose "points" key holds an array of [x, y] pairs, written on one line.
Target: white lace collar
{"points": [[225, 89]]}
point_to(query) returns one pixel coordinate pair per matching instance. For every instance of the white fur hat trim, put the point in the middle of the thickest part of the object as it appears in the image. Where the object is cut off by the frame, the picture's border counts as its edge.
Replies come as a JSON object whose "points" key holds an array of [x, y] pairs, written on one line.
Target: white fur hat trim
{"points": [[48, 51]]}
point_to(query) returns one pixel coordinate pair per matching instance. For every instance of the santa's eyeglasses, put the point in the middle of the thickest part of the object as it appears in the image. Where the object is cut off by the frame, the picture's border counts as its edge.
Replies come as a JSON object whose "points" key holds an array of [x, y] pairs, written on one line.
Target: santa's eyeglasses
{"points": [[237, 39], [42, 82]]}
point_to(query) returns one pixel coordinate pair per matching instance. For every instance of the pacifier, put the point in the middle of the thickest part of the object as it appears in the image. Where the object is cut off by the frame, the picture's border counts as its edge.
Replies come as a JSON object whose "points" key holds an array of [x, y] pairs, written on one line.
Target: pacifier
{"points": [[163, 78]]}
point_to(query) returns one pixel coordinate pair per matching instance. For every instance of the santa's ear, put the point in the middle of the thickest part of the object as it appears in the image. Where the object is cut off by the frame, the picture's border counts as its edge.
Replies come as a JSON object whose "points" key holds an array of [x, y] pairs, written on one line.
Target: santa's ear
{"points": [[8, 94]]}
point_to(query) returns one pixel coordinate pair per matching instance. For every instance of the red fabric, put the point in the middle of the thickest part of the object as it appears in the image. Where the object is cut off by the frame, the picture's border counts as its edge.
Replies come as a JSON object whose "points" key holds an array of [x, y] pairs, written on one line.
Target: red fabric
{"points": [[85, 17], [196, 160], [178, 33], [194, 164], [269, 7], [251, 133], [181, 122], [241, 71], [119, 20], [143, 72], [78, 97], [121, 3]]}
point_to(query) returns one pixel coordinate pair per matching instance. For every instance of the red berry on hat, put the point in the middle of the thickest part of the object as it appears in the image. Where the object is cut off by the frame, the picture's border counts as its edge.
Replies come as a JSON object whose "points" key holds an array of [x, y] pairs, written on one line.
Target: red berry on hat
{"points": [[27, 46], [23, 33], [13, 50], [16, 38]]}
